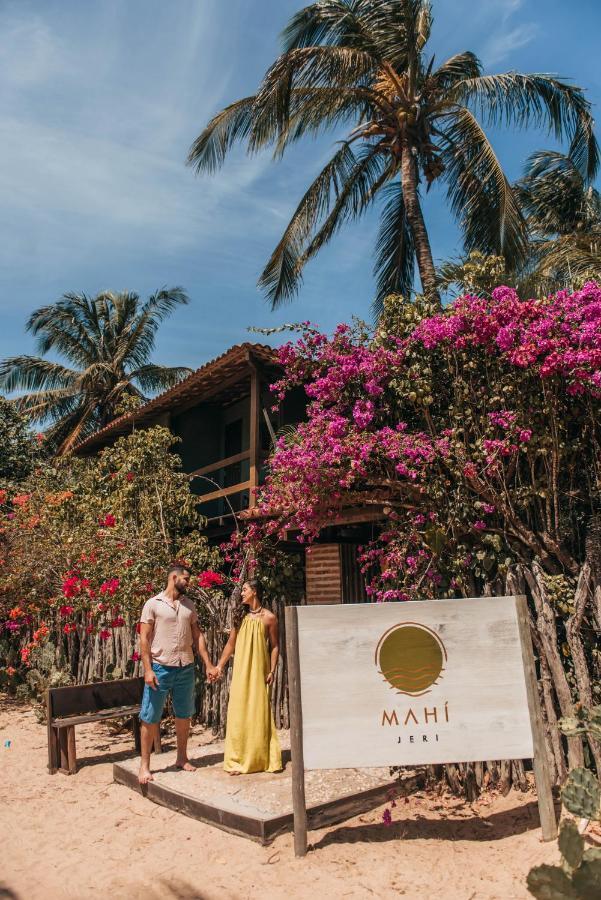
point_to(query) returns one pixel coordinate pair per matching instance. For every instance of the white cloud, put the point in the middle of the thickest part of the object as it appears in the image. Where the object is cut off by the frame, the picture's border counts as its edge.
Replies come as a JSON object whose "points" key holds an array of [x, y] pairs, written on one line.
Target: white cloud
{"points": [[506, 41], [94, 132]]}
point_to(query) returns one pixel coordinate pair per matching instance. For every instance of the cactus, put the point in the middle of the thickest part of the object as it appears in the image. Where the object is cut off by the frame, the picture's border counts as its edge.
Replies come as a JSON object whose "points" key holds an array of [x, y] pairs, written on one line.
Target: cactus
{"points": [[582, 794], [550, 883], [587, 877], [579, 876], [571, 843]]}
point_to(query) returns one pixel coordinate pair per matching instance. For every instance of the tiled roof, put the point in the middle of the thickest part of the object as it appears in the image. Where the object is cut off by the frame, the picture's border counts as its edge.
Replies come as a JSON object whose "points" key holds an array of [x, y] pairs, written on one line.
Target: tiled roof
{"points": [[206, 380]]}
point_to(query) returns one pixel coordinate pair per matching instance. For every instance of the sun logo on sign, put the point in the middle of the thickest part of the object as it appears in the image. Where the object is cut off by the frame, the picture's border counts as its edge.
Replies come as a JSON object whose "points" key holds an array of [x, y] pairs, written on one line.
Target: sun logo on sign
{"points": [[411, 658]]}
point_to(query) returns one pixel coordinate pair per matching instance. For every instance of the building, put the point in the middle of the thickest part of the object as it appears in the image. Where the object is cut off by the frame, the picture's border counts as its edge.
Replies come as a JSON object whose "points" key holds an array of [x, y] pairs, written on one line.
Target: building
{"points": [[223, 415]]}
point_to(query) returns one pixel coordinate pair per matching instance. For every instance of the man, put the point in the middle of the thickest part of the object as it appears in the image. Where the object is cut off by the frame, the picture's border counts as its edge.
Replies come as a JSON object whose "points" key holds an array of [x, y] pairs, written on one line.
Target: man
{"points": [[169, 632]]}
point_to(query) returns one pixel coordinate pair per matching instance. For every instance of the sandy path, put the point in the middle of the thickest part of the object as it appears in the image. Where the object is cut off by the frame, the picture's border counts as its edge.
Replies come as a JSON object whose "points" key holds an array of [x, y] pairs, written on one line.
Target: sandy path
{"points": [[84, 836]]}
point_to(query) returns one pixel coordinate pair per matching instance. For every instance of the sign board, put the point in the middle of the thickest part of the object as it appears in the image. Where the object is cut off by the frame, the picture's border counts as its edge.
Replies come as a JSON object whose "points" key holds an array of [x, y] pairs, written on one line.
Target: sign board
{"points": [[414, 683]]}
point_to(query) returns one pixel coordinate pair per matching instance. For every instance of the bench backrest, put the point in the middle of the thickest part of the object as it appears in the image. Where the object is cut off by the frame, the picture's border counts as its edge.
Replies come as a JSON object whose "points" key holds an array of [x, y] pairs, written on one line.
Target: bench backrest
{"points": [[79, 699]]}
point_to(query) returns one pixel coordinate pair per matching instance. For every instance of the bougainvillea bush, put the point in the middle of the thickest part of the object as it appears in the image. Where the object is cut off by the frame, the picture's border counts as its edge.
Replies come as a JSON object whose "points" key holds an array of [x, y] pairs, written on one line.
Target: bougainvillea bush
{"points": [[83, 543], [476, 432]]}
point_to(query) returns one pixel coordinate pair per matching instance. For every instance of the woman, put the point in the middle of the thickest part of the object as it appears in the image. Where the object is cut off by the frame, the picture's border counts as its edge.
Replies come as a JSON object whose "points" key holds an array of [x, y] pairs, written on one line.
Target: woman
{"points": [[251, 741]]}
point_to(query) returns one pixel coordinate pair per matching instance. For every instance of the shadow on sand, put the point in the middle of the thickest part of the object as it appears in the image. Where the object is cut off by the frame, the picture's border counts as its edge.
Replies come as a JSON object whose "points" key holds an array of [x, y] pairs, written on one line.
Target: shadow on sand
{"points": [[473, 827]]}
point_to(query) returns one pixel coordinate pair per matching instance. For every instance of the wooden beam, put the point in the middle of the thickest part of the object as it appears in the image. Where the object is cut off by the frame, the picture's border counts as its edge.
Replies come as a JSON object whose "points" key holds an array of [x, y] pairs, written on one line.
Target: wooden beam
{"points": [[255, 412], [299, 806], [222, 463], [224, 492], [542, 775]]}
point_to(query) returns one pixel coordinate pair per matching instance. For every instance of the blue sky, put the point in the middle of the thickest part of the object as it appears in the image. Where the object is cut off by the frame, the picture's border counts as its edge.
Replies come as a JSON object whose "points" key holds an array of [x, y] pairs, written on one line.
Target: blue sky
{"points": [[99, 105]]}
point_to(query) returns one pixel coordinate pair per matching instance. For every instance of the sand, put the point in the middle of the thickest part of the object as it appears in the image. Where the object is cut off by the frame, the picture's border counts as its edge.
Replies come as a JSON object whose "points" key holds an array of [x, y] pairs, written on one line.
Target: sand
{"points": [[83, 836]]}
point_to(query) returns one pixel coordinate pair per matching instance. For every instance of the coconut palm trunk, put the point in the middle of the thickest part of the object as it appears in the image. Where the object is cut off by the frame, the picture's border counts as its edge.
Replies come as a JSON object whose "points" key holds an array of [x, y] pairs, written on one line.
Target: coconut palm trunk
{"points": [[417, 224]]}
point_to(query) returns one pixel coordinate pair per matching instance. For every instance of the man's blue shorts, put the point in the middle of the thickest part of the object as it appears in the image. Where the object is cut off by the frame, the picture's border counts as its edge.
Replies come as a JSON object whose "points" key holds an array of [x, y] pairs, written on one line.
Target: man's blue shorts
{"points": [[176, 680]]}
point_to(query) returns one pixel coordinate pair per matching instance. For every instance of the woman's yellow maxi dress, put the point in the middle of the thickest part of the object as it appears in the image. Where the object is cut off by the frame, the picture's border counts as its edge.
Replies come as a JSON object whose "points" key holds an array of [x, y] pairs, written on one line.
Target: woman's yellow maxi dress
{"points": [[251, 741]]}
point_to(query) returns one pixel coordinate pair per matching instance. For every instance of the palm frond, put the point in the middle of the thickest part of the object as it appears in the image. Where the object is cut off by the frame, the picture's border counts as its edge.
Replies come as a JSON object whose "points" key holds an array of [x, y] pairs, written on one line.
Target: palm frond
{"points": [[158, 378], [331, 23], [292, 87], [395, 252], [455, 69], [556, 199], [30, 373], [480, 195], [351, 181], [542, 100], [281, 276], [232, 124]]}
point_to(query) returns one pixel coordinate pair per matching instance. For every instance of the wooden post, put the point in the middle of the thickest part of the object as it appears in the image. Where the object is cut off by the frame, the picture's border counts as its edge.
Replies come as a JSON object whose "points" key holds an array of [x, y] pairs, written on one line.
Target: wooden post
{"points": [[66, 743], [542, 776], [299, 807], [135, 727], [255, 409], [52, 737]]}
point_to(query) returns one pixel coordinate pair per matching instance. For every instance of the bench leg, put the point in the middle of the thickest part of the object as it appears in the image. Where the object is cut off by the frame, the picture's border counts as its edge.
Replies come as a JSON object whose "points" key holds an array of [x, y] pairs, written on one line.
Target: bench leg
{"points": [[68, 756], [135, 727], [53, 753]]}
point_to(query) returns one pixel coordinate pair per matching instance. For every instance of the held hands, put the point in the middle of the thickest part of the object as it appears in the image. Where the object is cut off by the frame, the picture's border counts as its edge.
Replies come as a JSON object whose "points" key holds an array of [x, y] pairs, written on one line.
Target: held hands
{"points": [[214, 673]]}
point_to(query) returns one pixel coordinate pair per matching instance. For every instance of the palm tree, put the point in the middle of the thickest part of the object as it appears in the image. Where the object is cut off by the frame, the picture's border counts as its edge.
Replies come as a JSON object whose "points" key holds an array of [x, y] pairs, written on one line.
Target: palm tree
{"points": [[563, 213], [108, 341], [363, 64]]}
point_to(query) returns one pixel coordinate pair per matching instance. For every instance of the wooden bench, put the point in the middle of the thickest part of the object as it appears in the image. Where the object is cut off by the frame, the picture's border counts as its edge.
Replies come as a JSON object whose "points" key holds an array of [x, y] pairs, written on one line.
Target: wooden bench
{"points": [[78, 704]]}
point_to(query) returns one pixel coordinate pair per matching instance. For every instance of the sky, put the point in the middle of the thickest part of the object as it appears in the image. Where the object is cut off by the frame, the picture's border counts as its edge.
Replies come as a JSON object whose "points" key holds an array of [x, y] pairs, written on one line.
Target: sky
{"points": [[99, 103]]}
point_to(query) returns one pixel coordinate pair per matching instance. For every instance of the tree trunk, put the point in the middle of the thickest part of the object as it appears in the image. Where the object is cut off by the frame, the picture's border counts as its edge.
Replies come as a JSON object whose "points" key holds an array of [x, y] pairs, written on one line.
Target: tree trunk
{"points": [[415, 217]]}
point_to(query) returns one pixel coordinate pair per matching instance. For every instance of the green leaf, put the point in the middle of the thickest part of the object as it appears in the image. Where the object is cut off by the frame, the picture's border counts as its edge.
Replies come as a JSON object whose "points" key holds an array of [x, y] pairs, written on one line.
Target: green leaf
{"points": [[435, 538]]}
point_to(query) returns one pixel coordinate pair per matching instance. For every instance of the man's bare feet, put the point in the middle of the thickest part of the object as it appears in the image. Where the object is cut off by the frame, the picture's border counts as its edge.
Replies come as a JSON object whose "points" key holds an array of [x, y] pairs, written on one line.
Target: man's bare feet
{"points": [[186, 766], [144, 775], [234, 773]]}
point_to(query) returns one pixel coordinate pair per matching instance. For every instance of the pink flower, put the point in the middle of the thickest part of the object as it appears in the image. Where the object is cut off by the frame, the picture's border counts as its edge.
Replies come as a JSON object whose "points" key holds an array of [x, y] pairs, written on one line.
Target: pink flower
{"points": [[105, 634], [66, 610], [387, 817], [525, 435], [135, 656], [479, 525]]}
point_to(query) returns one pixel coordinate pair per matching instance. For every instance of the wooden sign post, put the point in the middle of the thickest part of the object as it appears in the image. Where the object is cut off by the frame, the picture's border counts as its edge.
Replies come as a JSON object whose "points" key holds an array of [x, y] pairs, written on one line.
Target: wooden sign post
{"points": [[405, 684]]}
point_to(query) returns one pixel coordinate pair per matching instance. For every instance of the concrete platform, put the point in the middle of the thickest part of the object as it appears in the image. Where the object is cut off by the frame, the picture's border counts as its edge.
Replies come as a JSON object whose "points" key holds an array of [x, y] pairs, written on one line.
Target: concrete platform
{"points": [[259, 806]]}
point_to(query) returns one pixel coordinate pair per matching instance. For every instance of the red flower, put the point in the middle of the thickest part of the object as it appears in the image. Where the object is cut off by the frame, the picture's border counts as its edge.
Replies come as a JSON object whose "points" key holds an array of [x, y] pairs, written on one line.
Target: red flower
{"points": [[70, 627], [71, 586], [66, 610], [110, 587], [10, 671], [118, 622], [138, 627], [209, 579], [108, 521], [105, 634], [89, 629], [135, 656], [130, 476], [21, 499]]}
